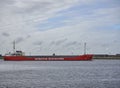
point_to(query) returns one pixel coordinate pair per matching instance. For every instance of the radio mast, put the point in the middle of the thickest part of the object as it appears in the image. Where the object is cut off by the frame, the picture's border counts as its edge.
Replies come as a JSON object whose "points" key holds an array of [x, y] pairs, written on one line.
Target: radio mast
{"points": [[14, 47], [85, 48]]}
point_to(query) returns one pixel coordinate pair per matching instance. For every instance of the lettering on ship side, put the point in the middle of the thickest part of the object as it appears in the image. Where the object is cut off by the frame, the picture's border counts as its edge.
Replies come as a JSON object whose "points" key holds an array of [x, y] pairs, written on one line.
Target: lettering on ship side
{"points": [[49, 59]]}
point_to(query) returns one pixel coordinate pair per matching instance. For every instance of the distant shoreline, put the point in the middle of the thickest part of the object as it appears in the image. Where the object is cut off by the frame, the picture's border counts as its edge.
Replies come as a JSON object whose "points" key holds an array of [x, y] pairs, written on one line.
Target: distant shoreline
{"points": [[107, 57]]}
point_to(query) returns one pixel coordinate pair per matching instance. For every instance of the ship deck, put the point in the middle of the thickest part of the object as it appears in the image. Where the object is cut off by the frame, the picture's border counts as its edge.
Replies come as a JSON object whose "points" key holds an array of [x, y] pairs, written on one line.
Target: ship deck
{"points": [[56, 56]]}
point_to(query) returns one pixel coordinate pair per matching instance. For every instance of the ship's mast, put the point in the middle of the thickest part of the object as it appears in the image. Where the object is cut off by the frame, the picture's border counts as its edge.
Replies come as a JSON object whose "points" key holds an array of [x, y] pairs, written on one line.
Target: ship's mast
{"points": [[85, 48], [14, 47]]}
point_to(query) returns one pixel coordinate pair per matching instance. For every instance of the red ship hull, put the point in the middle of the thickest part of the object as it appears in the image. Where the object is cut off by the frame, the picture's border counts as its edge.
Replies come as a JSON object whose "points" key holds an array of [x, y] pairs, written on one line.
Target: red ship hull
{"points": [[53, 58]]}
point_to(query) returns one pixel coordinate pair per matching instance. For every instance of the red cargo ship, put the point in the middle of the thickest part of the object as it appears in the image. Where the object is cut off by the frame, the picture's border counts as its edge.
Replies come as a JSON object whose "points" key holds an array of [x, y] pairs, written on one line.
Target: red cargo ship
{"points": [[49, 58], [19, 56]]}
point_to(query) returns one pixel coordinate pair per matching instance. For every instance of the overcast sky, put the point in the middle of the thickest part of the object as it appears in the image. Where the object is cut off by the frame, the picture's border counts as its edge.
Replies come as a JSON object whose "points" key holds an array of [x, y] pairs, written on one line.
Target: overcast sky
{"points": [[60, 26]]}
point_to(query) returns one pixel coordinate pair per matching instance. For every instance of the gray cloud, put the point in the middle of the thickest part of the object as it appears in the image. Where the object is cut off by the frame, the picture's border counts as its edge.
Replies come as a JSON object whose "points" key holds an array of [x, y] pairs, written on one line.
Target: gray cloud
{"points": [[28, 36], [33, 6], [6, 34], [6, 2], [58, 42], [19, 39], [72, 43], [38, 43]]}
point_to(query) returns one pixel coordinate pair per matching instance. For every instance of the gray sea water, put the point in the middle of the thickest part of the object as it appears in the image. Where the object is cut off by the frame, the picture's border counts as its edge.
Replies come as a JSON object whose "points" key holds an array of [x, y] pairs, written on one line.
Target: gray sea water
{"points": [[60, 74]]}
